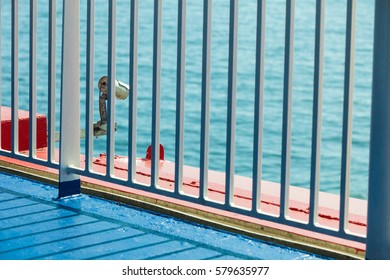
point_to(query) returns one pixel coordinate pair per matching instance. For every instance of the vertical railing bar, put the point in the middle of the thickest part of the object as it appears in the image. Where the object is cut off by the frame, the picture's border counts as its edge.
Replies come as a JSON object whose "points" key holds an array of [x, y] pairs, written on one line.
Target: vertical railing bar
{"points": [[69, 150], [231, 108], [180, 93], [347, 115], [89, 85], [205, 102], [259, 103], [33, 80], [15, 77], [378, 212], [133, 90], [317, 112], [111, 88], [1, 73], [287, 108], [52, 81], [156, 93]]}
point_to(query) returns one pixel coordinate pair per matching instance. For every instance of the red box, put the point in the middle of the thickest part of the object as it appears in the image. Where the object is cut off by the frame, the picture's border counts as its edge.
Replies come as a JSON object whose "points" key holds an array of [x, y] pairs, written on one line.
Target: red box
{"points": [[24, 133]]}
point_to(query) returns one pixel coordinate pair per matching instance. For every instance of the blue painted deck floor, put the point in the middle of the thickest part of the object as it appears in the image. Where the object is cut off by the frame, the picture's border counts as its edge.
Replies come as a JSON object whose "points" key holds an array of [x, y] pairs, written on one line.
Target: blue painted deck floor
{"points": [[34, 225]]}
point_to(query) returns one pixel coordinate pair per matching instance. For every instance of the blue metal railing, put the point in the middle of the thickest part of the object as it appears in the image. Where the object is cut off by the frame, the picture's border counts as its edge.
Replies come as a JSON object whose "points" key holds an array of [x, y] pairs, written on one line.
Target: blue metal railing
{"points": [[378, 225], [69, 162]]}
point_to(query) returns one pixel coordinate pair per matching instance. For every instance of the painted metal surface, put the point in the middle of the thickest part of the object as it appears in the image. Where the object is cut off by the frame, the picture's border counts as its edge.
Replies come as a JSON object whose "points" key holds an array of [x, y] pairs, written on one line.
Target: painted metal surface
{"points": [[69, 183], [287, 110], [110, 143], [34, 226], [52, 81], [33, 79], [378, 232], [317, 111], [347, 115], [133, 81], [258, 106], [89, 84], [232, 102], [180, 95], [156, 93], [23, 125], [15, 77], [205, 103]]}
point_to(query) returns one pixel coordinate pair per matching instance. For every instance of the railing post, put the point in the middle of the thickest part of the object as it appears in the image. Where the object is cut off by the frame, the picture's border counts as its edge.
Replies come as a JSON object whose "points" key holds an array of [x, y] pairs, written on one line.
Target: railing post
{"points": [[69, 184], [378, 227]]}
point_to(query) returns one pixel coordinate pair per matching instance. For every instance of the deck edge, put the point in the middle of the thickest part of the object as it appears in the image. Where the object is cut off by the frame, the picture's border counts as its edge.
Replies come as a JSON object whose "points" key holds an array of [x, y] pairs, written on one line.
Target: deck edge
{"points": [[224, 222]]}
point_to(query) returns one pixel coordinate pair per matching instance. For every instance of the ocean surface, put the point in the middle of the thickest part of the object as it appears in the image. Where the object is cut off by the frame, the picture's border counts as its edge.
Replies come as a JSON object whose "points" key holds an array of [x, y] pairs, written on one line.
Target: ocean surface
{"points": [[334, 57]]}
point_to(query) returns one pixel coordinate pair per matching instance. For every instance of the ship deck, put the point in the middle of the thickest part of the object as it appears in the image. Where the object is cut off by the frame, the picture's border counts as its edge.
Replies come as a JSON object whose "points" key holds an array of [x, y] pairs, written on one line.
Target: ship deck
{"points": [[36, 225]]}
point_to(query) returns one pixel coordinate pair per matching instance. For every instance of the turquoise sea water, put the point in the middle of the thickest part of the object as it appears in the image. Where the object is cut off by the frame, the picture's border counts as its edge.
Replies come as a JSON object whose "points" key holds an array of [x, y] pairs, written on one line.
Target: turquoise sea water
{"points": [[334, 56]]}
